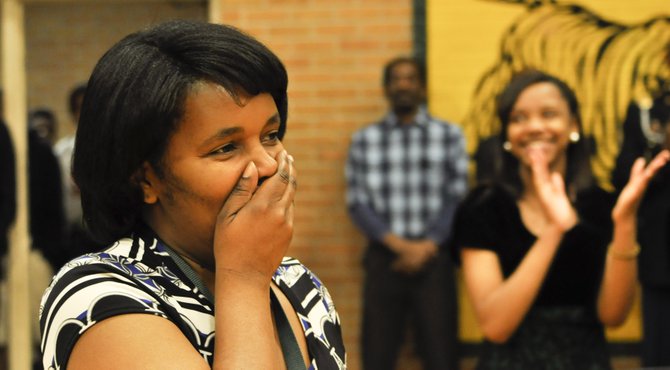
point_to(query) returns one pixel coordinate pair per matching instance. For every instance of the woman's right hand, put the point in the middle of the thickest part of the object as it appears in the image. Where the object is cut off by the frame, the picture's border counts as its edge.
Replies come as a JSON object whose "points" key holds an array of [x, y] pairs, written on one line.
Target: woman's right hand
{"points": [[550, 189], [253, 232], [255, 225]]}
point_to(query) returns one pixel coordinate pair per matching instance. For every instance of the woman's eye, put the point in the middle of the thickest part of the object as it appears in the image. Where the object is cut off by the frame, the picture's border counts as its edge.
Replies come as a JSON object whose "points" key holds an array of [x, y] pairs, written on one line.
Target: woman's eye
{"points": [[225, 149], [271, 137], [549, 114], [516, 118]]}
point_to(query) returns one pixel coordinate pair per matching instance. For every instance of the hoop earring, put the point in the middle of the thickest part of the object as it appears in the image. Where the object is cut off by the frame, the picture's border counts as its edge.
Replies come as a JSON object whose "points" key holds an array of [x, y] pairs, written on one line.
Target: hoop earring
{"points": [[574, 136], [507, 146]]}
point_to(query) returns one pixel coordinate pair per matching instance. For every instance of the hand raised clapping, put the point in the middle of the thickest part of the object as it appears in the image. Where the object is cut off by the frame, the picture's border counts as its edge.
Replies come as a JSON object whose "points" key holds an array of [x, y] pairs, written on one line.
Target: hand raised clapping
{"points": [[550, 189], [640, 175]]}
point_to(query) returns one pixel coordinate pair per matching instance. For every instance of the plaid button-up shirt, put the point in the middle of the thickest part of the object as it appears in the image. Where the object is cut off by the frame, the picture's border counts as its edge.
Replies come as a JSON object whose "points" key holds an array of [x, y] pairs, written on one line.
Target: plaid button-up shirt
{"points": [[406, 178]]}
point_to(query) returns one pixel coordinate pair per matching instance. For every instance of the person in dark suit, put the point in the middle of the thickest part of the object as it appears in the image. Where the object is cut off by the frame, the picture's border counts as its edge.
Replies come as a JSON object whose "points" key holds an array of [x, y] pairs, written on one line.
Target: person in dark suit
{"points": [[47, 218], [647, 132], [7, 185]]}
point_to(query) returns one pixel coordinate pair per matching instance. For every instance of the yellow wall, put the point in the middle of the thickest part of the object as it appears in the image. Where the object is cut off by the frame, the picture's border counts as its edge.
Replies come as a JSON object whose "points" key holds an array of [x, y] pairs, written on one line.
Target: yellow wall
{"points": [[463, 41]]}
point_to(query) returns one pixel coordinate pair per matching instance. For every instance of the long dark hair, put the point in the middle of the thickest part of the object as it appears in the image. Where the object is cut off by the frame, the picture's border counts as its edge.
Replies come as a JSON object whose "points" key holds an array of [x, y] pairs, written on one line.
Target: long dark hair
{"points": [[578, 172], [135, 100]]}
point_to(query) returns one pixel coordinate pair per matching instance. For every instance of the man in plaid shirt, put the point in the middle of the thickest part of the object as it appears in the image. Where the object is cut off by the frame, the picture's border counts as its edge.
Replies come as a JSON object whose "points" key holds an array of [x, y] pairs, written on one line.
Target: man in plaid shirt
{"points": [[406, 175]]}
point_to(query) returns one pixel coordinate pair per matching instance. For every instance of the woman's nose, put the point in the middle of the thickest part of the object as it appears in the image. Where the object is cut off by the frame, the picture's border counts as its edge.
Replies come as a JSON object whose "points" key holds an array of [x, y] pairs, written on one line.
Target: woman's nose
{"points": [[534, 123], [265, 161]]}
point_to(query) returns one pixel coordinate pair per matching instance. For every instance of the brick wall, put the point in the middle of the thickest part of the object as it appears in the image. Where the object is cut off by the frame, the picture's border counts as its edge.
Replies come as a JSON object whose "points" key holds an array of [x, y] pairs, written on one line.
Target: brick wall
{"points": [[334, 52], [64, 41]]}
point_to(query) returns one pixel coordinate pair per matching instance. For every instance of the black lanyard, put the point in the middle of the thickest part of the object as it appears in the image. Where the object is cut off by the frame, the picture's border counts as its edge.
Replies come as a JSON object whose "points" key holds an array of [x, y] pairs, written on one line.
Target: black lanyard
{"points": [[289, 345]]}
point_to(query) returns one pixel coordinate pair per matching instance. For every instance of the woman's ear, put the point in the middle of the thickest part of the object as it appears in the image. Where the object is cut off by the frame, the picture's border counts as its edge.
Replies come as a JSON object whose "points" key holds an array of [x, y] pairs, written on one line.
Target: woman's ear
{"points": [[145, 177]]}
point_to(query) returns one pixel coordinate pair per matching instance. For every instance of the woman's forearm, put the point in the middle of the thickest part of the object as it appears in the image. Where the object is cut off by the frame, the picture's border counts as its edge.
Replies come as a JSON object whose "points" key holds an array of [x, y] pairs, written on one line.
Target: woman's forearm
{"points": [[502, 308], [617, 290], [245, 334]]}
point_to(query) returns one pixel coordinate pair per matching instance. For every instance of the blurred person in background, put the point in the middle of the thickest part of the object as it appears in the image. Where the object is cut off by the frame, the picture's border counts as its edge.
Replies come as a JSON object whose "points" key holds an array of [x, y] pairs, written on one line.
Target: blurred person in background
{"points": [[46, 220], [77, 238], [7, 185], [7, 214], [548, 258], [405, 176], [44, 123], [646, 133]]}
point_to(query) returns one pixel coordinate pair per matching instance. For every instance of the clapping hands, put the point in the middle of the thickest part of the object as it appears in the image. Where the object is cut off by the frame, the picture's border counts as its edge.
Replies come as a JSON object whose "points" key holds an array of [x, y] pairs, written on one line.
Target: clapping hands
{"points": [[640, 175], [550, 189]]}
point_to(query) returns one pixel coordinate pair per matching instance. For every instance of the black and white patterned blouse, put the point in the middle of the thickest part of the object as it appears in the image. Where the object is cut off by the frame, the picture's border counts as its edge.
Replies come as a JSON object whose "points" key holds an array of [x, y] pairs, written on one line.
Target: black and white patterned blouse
{"points": [[137, 275]]}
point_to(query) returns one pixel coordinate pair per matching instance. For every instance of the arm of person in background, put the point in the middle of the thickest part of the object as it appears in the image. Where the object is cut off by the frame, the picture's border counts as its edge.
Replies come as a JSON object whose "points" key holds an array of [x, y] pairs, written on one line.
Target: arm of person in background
{"points": [[371, 224], [617, 290], [455, 188], [358, 196], [411, 254], [502, 303]]}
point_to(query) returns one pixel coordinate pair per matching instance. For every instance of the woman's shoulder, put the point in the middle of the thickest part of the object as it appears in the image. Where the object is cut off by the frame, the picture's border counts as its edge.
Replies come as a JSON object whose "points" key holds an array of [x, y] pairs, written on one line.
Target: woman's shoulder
{"points": [[87, 263], [133, 276], [128, 270], [85, 280], [85, 291], [107, 270], [118, 257]]}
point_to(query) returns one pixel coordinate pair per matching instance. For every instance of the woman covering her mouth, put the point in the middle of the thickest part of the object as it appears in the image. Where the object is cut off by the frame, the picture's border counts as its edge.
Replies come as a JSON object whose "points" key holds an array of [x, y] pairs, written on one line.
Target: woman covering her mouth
{"points": [[183, 173]]}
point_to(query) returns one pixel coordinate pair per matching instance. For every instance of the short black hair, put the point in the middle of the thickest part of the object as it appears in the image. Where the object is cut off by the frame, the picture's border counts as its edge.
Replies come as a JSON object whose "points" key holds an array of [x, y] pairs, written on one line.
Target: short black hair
{"points": [[418, 64], [77, 92], [135, 100], [578, 172]]}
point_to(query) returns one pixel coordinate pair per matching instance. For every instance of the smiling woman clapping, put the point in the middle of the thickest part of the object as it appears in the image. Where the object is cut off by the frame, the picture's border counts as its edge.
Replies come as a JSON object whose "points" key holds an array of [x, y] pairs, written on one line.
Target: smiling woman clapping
{"points": [[548, 258]]}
